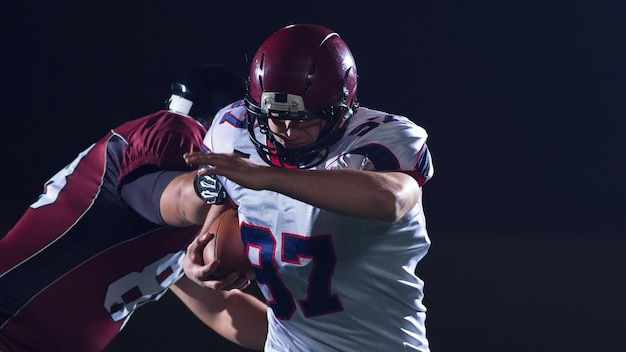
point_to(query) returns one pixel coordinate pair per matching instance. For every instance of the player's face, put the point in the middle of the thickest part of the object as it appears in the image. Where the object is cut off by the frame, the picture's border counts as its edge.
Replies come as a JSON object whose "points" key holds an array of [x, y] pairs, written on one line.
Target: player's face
{"points": [[296, 133]]}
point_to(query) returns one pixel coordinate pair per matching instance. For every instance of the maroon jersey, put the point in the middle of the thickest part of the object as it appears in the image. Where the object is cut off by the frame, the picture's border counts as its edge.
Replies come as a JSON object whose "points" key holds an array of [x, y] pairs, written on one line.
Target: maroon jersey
{"points": [[80, 260]]}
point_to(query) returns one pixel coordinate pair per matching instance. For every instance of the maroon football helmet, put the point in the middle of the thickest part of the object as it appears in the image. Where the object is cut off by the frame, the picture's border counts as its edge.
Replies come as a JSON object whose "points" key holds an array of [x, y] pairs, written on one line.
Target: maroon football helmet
{"points": [[301, 72]]}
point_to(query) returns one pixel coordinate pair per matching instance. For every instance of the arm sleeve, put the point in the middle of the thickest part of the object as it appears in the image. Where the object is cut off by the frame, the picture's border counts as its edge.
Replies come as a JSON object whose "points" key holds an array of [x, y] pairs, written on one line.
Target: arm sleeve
{"points": [[143, 193]]}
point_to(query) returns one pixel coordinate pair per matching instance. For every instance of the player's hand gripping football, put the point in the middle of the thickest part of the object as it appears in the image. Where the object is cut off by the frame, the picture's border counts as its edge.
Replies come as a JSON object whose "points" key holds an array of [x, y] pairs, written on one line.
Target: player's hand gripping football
{"points": [[200, 272]]}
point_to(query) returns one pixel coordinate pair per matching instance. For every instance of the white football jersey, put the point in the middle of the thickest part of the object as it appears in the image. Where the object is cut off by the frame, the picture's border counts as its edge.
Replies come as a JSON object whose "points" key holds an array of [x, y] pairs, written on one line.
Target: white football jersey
{"points": [[332, 282]]}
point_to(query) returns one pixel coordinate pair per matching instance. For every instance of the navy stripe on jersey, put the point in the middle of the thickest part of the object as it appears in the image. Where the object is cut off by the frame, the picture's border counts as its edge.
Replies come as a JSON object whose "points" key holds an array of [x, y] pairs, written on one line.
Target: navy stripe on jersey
{"points": [[424, 163], [233, 120], [382, 158]]}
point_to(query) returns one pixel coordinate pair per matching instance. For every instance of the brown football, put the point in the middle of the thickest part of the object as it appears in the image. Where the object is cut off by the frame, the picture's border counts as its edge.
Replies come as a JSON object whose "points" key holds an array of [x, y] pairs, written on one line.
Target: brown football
{"points": [[227, 246]]}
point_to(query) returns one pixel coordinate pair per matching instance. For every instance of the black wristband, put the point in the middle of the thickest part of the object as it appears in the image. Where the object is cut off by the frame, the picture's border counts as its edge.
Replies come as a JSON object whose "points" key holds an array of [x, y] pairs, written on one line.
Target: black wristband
{"points": [[209, 189]]}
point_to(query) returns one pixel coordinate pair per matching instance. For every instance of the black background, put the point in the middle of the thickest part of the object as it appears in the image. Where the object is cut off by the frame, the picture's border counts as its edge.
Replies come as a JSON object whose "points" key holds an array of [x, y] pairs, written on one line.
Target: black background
{"points": [[523, 103]]}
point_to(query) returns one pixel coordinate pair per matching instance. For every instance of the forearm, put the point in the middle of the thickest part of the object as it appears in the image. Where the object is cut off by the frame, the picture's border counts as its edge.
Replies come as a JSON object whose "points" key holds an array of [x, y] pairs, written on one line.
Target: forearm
{"points": [[180, 205], [385, 196], [235, 315]]}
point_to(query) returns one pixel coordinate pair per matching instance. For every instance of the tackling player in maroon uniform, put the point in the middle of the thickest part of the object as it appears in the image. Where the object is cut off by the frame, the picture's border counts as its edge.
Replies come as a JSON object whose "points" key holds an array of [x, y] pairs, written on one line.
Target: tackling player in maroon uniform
{"points": [[110, 230]]}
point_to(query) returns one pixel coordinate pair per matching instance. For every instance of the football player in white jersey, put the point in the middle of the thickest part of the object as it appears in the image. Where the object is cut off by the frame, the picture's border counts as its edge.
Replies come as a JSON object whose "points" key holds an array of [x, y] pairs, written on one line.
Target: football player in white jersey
{"points": [[329, 196]]}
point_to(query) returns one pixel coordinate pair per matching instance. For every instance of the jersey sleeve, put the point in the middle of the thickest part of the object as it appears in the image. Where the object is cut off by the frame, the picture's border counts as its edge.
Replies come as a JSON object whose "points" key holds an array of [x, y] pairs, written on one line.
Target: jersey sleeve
{"points": [[161, 142], [229, 127], [148, 187], [394, 143]]}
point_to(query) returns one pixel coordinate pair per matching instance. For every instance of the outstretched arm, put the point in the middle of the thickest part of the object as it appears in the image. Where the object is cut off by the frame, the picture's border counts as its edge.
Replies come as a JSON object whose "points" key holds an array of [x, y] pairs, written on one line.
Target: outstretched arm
{"points": [[180, 205], [236, 315], [166, 197], [386, 196]]}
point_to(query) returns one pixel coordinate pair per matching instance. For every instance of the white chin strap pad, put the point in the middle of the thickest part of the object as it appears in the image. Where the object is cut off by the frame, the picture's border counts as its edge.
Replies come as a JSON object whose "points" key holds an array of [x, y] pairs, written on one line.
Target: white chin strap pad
{"points": [[180, 105]]}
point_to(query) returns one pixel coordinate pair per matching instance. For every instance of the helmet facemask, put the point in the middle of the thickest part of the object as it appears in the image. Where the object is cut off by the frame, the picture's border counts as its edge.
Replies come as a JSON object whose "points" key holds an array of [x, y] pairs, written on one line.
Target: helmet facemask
{"points": [[281, 106]]}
